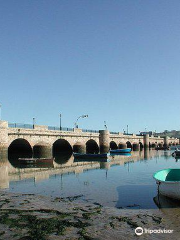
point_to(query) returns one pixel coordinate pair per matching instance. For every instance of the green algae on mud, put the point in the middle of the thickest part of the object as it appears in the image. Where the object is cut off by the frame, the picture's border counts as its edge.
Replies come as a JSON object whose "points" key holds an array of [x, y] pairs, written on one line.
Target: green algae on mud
{"points": [[39, 228]]}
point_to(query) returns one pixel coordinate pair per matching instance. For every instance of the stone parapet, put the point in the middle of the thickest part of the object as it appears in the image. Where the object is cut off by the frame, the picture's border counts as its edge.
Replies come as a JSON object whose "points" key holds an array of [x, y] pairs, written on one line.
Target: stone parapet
{"points": [[40, 127], [77, 130]]}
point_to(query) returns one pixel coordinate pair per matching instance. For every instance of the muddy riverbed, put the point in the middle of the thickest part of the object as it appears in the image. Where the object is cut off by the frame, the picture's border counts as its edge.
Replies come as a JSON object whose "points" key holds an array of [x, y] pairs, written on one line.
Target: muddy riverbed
{"points": [[29, 216]]}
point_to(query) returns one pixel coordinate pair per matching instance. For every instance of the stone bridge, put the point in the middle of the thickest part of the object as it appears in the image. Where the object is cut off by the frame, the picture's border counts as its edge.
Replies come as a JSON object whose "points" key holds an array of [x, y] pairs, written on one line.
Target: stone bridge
{"points": [[42, 142]]}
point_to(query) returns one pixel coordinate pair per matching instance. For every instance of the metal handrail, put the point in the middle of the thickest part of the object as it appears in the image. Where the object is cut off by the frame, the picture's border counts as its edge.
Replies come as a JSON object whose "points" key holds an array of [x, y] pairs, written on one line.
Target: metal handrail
{"points": [[66, 129], [114, 132], [20, 125], [91, 131], [129, 134], [53, 128]]}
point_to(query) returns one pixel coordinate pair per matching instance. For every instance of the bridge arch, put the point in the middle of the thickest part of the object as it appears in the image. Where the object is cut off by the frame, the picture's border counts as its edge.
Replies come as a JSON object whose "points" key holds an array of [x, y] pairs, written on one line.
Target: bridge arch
{"points": [[113, 145], [160, 145], [20, 147], [141, 145], [129, 145], [154, 145], [61, 151], [61, 146], [92, 146]]}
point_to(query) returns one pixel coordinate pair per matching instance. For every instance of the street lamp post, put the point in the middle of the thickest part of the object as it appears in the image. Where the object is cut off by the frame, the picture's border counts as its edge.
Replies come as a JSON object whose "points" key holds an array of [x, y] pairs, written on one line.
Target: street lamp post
{"points": [[127, 129], [83, 116], [60, 122], [33, 122], [105, 125]]}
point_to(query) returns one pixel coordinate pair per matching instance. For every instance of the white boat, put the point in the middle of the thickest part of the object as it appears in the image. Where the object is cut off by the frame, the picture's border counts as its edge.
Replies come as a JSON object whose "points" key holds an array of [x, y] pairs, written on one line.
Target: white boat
{"points": [[168, 181]]}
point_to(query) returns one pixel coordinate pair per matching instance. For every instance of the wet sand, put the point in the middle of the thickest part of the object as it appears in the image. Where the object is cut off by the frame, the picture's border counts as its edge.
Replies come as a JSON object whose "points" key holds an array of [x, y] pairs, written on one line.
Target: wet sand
{"points": [[29, 216]]}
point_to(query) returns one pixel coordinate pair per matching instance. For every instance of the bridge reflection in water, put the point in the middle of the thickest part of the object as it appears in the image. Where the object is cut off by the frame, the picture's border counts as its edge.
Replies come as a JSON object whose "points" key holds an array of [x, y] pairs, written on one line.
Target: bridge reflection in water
{"points": [[11, 170], [124, 181]]}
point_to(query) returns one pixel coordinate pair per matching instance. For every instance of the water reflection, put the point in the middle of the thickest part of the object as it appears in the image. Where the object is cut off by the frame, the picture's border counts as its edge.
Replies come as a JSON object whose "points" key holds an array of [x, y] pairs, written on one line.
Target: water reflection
{"points": [[105, 165], [120, 154], [9, 169], [91, 160], [63, 158], [167, 154], [165, 202], [4, 173], [124, 181], [177, 159]]}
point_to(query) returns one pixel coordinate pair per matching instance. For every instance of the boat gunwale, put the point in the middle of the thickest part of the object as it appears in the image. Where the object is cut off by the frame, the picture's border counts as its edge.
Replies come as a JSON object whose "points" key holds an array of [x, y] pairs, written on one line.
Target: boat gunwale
{"points": [[168, 182]]}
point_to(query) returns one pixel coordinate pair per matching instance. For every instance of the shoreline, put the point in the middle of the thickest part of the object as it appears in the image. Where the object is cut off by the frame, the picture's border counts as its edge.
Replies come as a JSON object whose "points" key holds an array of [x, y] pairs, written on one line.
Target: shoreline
{"points": [[30, 216]]}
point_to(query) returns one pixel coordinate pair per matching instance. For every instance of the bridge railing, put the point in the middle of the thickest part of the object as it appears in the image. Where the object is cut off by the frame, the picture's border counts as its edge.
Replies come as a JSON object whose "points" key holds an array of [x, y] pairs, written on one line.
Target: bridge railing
{"points": [[62, 129], [129, 134], [20, 125], [91, 131], [30, 126], [114, 132]]}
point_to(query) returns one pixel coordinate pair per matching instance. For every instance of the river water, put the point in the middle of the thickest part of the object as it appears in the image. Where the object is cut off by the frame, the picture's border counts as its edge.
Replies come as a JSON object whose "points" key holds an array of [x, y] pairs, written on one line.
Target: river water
{"points": [[123, 182]]}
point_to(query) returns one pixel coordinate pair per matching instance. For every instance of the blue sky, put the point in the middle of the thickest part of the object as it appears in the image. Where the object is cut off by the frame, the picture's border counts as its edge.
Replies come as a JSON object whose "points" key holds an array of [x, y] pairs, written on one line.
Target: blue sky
{"points": [[116, 60]]}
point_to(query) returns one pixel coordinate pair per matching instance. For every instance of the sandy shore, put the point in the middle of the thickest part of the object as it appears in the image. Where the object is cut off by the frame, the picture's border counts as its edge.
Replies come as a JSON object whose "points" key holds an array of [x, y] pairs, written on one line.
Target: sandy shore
{"points": [[29, 216]]}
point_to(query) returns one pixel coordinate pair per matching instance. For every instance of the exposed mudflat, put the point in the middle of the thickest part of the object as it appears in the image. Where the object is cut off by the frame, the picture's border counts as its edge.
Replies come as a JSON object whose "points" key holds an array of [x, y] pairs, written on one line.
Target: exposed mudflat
{"points": [[29, 216]]}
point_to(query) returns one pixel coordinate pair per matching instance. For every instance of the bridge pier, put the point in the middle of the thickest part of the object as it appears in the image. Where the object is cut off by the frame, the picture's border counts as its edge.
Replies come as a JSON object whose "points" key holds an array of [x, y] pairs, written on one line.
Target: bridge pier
{"points": [[79, 147], [146, 141], [122, 145], [166, 141], [3, 154], [136, 147], [104, 141], [42, 150]]}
